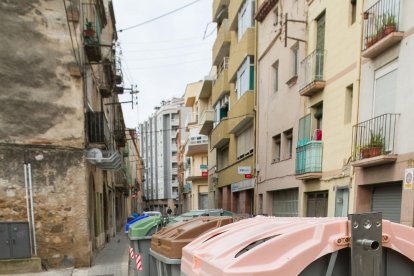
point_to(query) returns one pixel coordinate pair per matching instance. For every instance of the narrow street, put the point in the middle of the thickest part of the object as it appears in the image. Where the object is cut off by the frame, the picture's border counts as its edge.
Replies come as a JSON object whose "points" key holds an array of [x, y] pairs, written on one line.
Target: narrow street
{"points": [[110, 261]]}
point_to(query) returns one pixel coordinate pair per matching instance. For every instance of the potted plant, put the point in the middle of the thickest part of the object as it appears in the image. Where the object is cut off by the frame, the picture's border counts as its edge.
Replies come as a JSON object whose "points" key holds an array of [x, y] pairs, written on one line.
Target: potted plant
{"points": [[390, 24], [376, 144], [89, 31]]}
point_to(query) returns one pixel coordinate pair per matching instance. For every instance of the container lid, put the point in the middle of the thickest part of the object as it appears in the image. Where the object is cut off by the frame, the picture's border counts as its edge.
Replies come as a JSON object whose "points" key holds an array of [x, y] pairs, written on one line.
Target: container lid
{"points": [[143, 227], [133, 221], [170, 240], [279, 246]]}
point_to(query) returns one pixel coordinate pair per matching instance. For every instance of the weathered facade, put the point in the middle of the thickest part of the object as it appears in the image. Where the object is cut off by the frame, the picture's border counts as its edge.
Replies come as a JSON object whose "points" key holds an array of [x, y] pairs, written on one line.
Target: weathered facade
{"points": [[58, 73]]}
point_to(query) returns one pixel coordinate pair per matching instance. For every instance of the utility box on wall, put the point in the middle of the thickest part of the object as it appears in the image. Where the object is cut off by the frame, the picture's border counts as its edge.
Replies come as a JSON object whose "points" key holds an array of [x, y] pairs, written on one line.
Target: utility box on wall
{"points": [[14, 240]]}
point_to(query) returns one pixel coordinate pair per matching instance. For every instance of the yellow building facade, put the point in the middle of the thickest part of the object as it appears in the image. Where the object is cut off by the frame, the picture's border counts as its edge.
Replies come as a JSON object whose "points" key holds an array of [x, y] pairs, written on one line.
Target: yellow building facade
{"points": [[329, 80], [231, 140]]}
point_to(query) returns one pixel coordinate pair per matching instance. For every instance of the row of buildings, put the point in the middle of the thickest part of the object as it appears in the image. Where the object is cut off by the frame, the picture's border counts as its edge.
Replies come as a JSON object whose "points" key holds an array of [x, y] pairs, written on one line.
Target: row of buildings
{"points": [[69, 166], [306, 112]]}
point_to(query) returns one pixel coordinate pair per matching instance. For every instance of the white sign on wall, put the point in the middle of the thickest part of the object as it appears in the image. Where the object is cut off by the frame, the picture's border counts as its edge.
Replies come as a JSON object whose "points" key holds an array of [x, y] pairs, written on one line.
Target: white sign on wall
{"points": [[244, 170], [408, 179]]}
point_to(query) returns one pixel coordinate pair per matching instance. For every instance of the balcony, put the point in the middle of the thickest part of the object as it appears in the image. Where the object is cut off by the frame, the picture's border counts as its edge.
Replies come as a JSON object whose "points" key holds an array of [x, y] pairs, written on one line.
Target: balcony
{"points": [[381, 27], [97, 128], [240, 49], [374, 141], [220, 134], [92, 43], [121, 181], [206, 121], [221, 86], [241, 112], [221, 46], [220, 9], [205, 91], [196, 145], [174, 171], [309, 160], [312, 73]]}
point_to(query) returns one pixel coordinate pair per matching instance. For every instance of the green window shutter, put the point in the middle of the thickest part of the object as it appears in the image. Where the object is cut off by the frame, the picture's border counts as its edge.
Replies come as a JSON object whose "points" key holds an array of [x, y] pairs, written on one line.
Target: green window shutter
{"points": [[251, 77]]}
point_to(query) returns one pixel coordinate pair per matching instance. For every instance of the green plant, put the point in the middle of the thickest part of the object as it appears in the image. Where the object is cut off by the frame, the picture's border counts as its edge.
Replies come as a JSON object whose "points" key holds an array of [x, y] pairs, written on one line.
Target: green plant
{"points": [[376, 140], [88, 25], [389, 20]]}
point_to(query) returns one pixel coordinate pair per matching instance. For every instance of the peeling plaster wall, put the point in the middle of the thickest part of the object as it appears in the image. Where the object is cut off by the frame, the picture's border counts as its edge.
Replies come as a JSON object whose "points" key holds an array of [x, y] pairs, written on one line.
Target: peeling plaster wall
{"points": [[60, 200], [41, 101]]}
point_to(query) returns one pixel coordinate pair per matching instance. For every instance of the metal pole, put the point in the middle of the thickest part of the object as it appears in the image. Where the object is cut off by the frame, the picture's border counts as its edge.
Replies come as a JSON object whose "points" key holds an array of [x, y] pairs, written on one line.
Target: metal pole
{"points": [[27, 205], [32, 208]]}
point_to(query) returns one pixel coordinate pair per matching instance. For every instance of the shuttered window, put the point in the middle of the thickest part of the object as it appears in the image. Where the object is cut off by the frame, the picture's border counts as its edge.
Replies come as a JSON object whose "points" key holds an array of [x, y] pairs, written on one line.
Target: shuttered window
{"points": [[245, 142], [387, 200], [285, 203]]}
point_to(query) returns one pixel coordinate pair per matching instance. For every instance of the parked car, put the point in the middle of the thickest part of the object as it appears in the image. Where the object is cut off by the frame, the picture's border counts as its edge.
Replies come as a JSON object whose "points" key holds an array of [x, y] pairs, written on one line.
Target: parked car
{"points": [[199, 213]]}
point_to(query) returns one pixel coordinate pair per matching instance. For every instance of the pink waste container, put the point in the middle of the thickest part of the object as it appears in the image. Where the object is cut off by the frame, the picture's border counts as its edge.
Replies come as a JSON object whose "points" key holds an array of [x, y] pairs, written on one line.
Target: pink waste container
{"points": [[361, 245]]}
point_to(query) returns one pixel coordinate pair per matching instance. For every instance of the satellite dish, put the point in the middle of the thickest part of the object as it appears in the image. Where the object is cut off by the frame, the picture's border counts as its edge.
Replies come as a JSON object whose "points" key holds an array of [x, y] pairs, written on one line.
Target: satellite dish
{"points": [[94, 153]]}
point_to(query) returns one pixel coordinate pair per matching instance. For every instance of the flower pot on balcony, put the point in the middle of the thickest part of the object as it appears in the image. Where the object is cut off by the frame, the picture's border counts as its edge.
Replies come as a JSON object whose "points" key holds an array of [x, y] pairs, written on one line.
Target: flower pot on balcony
{"points": [[366, 15], [388, 30], [365, 153], [89, 33], [375, 151]]}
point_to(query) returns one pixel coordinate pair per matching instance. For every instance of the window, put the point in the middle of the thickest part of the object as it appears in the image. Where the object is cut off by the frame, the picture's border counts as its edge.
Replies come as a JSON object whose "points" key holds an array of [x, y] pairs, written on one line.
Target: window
{"points": [[276, 75], [245, 18], [221, 109], [288, 140], [385, 87], [222, 157], [245, 80], [352, 11], [245, 143], [348, 104], [276, 148]]}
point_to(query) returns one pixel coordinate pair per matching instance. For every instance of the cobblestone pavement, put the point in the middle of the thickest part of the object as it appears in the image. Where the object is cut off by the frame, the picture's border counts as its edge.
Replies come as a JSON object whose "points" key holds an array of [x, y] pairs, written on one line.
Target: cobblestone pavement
{"points": [[110, 261]]}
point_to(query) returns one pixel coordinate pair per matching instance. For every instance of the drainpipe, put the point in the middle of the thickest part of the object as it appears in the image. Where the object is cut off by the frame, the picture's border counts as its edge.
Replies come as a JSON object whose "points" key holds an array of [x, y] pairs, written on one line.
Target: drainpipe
{"points": [[27, 204], [32, 208]]}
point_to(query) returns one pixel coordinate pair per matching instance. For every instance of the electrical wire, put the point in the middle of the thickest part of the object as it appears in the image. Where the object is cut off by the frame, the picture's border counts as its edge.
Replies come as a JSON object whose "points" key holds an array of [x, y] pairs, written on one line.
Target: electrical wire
{"points": [[158, 17], [168, 65], [202, 44]]}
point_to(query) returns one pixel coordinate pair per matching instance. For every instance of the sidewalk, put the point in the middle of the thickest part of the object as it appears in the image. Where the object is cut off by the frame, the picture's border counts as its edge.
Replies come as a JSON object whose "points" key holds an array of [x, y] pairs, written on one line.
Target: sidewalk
{"points": [[110, 261]]}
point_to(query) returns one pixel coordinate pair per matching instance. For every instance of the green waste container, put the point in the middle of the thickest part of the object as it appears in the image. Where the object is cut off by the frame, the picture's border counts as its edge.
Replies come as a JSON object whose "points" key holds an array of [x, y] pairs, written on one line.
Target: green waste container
{"points": [[139, 235]]}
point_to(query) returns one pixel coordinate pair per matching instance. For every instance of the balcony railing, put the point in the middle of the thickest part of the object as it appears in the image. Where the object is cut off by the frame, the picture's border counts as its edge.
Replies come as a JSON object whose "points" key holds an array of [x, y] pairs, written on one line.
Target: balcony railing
{"points": [[374, 137], [381, 19], [312, 73], [309, 158], [196, 140], [97, 128]]}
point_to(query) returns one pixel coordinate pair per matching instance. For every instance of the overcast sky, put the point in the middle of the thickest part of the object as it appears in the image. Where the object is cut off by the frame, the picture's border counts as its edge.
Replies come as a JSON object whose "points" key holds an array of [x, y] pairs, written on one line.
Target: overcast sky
{"points": [[162, 56]]}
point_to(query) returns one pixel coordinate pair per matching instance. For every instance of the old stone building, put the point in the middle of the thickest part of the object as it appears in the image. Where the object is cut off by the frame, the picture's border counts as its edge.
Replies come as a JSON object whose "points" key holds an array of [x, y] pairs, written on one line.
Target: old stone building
{"points": [[61, 126]]}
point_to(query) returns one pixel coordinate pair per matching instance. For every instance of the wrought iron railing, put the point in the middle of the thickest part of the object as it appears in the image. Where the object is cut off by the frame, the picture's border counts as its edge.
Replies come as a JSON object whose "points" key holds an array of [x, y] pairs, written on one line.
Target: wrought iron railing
{"points": [[374, 137], [381, 19], [97, 128], [312, 68], [309, 157]]}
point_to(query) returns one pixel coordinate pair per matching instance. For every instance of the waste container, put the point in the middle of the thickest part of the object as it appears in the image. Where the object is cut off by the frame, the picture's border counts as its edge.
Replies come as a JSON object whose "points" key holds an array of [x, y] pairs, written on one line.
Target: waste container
{"points": [[139, 235], [166, 244], [364, 244], [128, 225]]}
